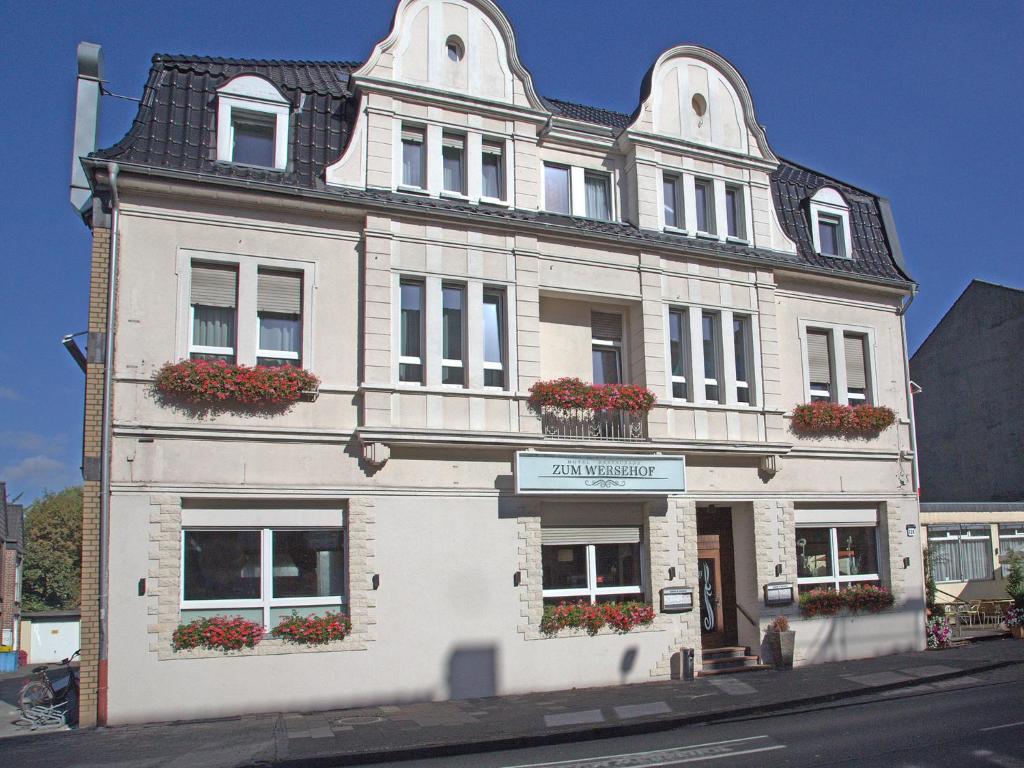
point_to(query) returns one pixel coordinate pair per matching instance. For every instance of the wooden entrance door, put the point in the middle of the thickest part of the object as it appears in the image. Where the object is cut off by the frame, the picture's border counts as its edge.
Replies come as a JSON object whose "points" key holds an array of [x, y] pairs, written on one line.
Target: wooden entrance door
{"points": [[716, 587]]}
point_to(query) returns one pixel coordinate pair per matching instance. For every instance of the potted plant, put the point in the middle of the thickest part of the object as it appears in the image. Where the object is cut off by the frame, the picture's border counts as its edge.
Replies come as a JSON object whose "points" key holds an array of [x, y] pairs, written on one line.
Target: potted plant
{"points": [[782, 641], [1015, 589]]}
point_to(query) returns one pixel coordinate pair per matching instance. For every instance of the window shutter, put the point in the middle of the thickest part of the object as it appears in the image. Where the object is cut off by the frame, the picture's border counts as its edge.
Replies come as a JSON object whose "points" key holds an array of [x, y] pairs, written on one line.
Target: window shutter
{"points": [[214, 285], [412, 134], [452, 141], [279, 292], [606, 326], [817, 357], [491, 148], [856, 377], [596, 535]]}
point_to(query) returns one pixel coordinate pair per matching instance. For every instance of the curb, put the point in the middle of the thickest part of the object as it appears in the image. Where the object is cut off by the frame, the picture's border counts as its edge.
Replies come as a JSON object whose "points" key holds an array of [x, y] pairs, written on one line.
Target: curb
{"points": [[651, 725]]}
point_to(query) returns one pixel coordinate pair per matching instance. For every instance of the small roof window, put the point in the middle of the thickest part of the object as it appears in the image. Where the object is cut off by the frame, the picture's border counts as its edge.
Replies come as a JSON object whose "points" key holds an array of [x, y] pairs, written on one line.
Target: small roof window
{"points": [[252, 123]]}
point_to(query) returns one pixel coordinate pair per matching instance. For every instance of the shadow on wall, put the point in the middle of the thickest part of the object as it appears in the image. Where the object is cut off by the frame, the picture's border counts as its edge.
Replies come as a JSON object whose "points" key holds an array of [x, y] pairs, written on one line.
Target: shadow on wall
{"points": [[627, 663], [473, 672]]}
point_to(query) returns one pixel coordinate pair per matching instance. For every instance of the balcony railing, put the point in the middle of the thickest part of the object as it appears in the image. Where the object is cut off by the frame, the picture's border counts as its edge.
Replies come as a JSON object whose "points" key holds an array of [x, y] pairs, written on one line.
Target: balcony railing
{"points": [[625, 426]]}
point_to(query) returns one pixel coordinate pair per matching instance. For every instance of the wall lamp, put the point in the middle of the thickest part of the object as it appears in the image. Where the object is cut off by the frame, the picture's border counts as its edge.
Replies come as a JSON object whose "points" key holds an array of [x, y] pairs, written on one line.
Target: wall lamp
{"points": [[73, 349]]}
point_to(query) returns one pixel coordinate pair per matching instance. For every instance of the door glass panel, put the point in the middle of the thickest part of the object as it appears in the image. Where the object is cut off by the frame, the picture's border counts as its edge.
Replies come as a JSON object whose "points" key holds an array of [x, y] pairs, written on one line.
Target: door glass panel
{"points": [[606, 366], [708, 594]]}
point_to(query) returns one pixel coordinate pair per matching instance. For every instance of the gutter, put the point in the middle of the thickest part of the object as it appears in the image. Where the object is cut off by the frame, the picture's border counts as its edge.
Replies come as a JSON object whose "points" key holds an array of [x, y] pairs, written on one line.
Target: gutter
{"points": [[105, 438], [915, 469]]}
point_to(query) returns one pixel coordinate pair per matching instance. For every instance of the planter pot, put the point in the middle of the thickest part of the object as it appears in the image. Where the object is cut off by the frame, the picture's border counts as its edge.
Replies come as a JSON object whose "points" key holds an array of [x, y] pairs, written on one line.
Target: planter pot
{"points": [[782, 645], [1017, 632]]}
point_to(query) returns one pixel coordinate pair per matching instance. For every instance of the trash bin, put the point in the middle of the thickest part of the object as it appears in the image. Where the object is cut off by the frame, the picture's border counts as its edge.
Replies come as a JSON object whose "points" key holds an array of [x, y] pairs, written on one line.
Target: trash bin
{"points": [[9, 661], [686, 656]]}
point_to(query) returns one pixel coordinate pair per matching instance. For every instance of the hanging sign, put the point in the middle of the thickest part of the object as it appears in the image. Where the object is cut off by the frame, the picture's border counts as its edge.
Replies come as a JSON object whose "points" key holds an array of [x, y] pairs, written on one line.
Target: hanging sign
{"points": [[599, 473]]}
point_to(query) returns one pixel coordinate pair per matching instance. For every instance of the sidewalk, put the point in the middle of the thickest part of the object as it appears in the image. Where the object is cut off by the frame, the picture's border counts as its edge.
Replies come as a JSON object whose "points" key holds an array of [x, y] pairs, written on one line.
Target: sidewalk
{"points": [[375, 734]]}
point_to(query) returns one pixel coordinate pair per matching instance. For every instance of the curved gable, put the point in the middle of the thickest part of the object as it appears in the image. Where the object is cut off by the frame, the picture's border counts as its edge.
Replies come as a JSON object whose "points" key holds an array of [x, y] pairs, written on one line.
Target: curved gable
{"points": [[417, 51], [693, 94]]}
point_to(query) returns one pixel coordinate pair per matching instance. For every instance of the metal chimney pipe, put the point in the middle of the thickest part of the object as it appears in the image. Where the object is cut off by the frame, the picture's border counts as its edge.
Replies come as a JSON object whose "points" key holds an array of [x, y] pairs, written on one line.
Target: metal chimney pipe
{"points": [[87, 116]]}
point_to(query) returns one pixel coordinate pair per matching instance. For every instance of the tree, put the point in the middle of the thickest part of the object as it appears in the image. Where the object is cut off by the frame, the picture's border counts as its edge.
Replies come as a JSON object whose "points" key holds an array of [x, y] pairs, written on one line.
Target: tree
{"points": [[52, 568]]}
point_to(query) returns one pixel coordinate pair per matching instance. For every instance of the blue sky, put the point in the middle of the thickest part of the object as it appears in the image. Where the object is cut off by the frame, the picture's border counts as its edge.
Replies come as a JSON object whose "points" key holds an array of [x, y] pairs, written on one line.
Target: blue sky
{"points": [[919, 102]]}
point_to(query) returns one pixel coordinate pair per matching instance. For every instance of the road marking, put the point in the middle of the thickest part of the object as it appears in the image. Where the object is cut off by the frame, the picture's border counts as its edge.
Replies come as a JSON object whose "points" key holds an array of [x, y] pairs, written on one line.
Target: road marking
{"points": [[1008, 725], [712, 750]]}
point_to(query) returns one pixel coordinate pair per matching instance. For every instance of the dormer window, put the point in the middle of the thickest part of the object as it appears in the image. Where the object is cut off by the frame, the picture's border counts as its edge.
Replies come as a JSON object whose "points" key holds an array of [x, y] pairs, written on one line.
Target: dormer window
{"points": [[830, 224], [252, 123]]}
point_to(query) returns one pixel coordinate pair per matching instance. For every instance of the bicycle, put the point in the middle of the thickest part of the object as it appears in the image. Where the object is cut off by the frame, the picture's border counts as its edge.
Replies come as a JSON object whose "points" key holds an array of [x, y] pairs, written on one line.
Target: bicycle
{"points": [[51, 699]]}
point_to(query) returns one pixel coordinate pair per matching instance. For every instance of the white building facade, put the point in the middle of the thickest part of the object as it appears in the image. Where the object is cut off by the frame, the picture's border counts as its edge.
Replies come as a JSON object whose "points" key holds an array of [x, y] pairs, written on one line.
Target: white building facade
{"points": [[431, 238]]}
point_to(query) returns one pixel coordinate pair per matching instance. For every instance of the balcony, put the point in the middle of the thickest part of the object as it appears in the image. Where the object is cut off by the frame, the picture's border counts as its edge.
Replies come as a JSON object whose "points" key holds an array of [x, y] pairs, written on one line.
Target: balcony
{"points": [[621, 426]]}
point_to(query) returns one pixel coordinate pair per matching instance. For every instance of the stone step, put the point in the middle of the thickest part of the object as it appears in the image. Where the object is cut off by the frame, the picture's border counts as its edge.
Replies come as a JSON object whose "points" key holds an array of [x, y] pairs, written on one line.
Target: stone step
{"points": [[731, 662], [725, 652]]}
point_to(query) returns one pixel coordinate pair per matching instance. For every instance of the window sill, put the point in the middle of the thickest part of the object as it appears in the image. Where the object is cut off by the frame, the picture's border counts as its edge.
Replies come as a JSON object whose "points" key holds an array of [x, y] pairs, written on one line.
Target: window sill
{"points": [[737, 240], [707, 236], [411, 190], [439, 389], [497, 202], [676, 231], [844, 257], [274, 168], [448, 195], [677, 403]]}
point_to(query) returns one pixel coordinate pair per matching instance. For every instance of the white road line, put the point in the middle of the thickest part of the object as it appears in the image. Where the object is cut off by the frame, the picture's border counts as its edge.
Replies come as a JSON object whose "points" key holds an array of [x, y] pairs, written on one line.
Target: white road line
{"points": [[661, 757], [1008, 725]]}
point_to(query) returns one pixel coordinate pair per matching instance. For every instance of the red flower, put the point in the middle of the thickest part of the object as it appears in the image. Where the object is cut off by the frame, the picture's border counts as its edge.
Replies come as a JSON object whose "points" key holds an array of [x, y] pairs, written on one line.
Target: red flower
{"points": [[573, 394], [836, 418], [204, 381]]}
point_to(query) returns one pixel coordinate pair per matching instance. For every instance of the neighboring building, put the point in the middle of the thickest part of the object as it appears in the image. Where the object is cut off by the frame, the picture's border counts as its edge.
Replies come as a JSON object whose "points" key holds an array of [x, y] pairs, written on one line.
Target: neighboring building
{"points": [[431, 238], [12, 550], [970, 426], [48, 637]]}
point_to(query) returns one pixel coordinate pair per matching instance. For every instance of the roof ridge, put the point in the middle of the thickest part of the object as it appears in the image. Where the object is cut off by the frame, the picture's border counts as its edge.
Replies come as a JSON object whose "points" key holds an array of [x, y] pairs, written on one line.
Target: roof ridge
{"points": [[204, 59]]}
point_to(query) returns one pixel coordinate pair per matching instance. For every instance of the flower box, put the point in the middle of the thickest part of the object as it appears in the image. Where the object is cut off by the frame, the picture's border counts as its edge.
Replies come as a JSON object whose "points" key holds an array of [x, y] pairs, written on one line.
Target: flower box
{"points": [[619, 617], [313, 629], [205, 382], [821, 418], [865, 599], [218, 633], [572, 394]]}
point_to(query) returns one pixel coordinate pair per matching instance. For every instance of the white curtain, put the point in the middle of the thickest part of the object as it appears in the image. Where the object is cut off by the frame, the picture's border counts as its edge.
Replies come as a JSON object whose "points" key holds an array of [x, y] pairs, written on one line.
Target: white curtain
{"points": [[597, 198], [280, 334], [976, 559], [214, 327], [944, 560]]}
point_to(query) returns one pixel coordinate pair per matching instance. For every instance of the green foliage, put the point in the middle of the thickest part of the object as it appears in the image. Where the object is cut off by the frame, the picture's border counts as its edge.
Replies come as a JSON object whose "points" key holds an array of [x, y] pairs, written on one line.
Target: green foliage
{"points": [[929, 579], [52, 569], [1015, 578]]}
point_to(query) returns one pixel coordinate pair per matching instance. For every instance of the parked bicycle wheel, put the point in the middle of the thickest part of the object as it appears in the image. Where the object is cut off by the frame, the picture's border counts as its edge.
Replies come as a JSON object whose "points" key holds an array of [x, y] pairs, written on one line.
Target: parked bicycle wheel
{"points": [[34, 694]]}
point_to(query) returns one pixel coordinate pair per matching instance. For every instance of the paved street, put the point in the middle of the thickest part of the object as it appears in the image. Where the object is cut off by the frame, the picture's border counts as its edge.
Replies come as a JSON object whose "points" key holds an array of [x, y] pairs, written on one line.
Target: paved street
{"points": [[912, 709], [970, 721]]}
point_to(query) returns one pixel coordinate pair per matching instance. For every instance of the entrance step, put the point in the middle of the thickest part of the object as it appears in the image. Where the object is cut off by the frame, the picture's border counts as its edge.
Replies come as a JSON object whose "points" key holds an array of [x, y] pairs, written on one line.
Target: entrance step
{"points": [[729, 660]]}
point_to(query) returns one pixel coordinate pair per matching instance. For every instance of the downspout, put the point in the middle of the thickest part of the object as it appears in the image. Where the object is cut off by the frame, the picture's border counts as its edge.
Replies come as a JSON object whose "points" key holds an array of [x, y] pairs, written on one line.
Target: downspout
{"points": [[108, 385], [915, 472]]}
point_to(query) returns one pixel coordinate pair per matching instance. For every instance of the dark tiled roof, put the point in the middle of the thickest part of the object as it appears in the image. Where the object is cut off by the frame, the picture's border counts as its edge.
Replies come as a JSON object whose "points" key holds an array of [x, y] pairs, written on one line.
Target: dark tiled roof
{"points": [[582, 112], [174, 130], [792, 187]]}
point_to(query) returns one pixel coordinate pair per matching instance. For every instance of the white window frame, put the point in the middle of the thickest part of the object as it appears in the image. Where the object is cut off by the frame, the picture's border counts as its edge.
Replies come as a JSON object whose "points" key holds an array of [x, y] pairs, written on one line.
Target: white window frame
{"points": [[266, 601], [836, 333], [606, 178], [246, 331], [828, 202], [685, 341], [490, 365], [201, 349], [460, 363], [407, 359], [836, 580], [592, 591], [675, 179], [569, 187], [748, 359], [1012, 537], [710, 208], [718, 381], [462, 191], [617, 346], [501, 153], [401, 183], [279, 354], [961, 534], [251, 93], [740, 235]]}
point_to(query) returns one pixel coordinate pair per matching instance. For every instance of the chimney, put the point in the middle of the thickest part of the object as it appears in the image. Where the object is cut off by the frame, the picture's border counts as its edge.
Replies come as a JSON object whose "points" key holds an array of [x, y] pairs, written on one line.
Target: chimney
{"points": [[87, 116]]}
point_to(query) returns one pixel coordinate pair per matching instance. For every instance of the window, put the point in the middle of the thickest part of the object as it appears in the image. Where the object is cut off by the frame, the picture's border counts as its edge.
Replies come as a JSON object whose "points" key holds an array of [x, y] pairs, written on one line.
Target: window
{"points": [[856, 369], [253, 140], [598, 196], [453, 157], [830, 223], [960, 552], [598, 564], [410, 360], [830, 235], [494, 338], [213, 304], [262, 574], [672, 198], [453, 369], [704, 196], [679, 351], [413, 158], [279, 312], [819, 364], [743, 349], [834, 557], [454, 49], [492, 183], [556, 188], [1011, 539], [710, 322], [734, 213], [606, 343]]}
